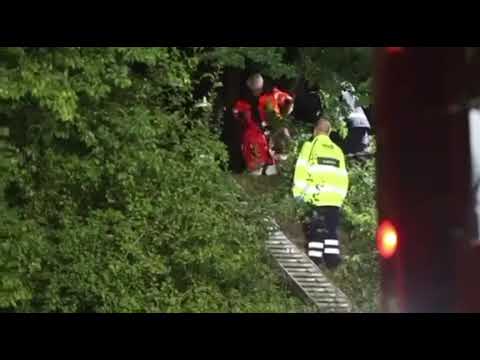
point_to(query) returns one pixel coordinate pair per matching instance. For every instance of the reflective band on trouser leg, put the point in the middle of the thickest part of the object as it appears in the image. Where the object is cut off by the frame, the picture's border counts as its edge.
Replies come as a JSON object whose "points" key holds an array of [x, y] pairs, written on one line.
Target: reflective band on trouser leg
{"points": [[315, 254], [331, 251], [333, 242], [315, 245], [315, 249], [331, 246]]}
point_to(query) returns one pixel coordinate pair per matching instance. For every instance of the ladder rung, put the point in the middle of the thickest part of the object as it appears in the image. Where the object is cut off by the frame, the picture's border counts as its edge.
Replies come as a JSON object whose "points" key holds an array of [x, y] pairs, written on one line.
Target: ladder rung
{"points": [[308, 276]]}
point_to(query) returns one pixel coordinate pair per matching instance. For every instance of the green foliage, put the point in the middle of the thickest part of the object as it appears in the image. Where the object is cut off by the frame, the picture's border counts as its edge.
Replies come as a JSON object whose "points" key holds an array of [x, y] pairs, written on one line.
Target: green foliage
{"points": [[118, 201], [359, 275], [269, 61], [329, 67]]}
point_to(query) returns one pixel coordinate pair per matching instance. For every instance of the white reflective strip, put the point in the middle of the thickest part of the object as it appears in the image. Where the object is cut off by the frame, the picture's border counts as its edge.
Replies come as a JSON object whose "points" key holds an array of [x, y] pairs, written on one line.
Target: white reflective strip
{"points": [[315, 245], [334, 189], [302, 162], [332, 251], [325, 188], [327, 169], [313, 253], [301, 184], [331, 242]]}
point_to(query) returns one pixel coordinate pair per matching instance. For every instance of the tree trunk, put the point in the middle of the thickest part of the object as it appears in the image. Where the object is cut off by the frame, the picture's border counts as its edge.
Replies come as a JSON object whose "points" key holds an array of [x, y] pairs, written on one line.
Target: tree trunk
{"points": [[231, 131]]}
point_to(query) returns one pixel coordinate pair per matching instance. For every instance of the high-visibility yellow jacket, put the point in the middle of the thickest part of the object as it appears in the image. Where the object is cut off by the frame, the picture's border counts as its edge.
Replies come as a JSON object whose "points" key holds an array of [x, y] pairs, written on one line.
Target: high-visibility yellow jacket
{"points": [[321, 177]]}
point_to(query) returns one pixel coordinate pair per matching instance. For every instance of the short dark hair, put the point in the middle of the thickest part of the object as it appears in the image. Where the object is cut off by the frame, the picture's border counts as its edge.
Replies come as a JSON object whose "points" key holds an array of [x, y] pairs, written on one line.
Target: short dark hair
{"points": [[322, 118], [324, 123]]}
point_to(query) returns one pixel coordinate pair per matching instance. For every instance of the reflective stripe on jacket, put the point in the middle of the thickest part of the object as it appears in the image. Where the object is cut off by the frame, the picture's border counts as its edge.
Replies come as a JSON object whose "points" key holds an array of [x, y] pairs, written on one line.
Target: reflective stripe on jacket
{"points": [[320, 176]]}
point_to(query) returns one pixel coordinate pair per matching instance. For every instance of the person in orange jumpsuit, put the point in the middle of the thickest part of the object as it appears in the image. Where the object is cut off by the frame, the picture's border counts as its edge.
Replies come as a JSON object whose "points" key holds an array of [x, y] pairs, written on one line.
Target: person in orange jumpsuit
{"points": [[275, 107], [277, 101]]}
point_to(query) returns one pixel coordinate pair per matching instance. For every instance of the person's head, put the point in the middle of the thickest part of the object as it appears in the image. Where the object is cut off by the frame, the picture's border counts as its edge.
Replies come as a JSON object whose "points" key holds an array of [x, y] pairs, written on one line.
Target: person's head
{"points": [[255, 84], [322, 127]]}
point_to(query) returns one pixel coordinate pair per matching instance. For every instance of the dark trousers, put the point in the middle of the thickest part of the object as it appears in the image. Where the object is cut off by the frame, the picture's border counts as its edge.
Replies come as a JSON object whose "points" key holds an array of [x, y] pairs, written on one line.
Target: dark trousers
{"points": [[356, 140], [322, 235]]}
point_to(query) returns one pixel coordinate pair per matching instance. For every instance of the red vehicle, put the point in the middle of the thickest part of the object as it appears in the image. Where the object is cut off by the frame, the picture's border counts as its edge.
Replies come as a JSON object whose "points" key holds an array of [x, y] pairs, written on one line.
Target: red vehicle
{"points": [[429, 260]]}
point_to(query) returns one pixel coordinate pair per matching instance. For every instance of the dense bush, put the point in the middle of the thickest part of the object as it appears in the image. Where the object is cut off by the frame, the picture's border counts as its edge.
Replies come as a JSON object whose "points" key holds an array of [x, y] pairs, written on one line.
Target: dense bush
{"points": [[270, 61], [359, 276], [118, 201], [173, 241]]}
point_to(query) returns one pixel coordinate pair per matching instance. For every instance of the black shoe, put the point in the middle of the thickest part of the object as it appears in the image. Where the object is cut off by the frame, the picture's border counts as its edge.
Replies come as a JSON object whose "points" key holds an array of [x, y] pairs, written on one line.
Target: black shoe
{"points": [[333, 263]]}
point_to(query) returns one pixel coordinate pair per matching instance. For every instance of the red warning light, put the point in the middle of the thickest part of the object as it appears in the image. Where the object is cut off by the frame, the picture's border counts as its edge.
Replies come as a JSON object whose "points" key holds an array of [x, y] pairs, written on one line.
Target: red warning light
{"points": [[387, 239], [395, 50]]}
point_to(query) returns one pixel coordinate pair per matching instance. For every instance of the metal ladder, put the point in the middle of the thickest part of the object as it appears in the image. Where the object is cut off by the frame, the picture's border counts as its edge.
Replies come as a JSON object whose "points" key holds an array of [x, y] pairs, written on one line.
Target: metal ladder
{"points": [[306, 275]]}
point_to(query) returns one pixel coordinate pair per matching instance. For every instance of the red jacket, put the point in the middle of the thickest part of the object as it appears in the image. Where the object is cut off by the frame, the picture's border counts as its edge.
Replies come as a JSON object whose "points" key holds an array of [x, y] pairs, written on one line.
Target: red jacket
{"points": [[255, 147], [242, 111]]}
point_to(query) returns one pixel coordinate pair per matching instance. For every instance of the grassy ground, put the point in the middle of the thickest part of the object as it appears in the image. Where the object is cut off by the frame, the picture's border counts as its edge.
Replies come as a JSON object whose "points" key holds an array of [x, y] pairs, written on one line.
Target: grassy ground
{"points": [[260, 185]]}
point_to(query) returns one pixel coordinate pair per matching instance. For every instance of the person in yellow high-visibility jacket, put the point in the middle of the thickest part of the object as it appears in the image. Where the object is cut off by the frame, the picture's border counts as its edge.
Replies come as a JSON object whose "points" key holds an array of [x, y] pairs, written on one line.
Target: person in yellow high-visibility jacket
{"points": [[321, 181]]}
